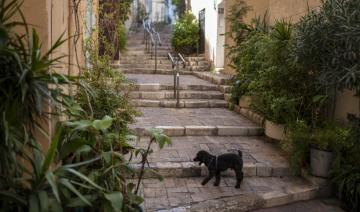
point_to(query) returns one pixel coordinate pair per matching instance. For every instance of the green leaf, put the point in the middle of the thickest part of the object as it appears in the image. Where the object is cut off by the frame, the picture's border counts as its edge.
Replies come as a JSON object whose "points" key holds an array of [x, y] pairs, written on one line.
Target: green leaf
{"points": [[103, 124], [33, 203], [44, 200], [71, 147], [13, 197], [79, 203], [83, 177], [79, 125], [51, 180], [68, 185], [116, 200], [106, 156], [52, 150]]}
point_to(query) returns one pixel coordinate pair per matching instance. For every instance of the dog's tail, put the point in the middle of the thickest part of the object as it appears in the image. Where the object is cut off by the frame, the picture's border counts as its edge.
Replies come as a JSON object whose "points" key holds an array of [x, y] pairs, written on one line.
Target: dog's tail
{"points": [[240, 153]]}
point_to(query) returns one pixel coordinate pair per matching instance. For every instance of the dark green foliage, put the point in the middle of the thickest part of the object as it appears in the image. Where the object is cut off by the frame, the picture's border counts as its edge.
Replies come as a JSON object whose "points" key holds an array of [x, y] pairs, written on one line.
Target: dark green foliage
{"points": [[346, 171], [328, 44], [186, 34], [180, 7]]}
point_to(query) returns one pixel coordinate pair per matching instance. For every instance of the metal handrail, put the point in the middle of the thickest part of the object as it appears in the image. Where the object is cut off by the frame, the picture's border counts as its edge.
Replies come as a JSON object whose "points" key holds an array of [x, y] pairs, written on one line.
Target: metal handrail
{"points": [[152, 45], [176, 73]]}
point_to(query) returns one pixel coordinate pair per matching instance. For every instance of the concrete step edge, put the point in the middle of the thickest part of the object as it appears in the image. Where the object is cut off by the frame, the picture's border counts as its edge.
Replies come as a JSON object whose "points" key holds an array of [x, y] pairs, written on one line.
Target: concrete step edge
{"points": [[192, 169], [203, 130], [183, 103]]}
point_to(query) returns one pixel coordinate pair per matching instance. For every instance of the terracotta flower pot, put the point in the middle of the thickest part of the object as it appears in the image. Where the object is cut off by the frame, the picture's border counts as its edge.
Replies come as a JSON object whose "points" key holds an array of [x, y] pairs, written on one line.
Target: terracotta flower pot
{"points": [[275, 131]]}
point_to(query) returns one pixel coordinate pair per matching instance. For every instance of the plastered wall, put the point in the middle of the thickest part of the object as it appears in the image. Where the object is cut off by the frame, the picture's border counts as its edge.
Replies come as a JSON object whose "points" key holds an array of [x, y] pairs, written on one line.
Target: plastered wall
{"points": [[51, 19], [291, 10]]}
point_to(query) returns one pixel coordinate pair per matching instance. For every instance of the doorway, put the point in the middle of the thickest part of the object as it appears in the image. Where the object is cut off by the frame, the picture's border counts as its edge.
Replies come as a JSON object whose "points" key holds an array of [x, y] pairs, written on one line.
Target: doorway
{"points": [[202, 31]]}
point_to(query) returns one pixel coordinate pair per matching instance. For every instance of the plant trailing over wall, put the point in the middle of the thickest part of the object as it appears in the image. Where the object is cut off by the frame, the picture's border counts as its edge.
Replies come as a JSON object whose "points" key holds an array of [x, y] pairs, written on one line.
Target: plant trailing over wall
{"points": [[186, 34], [112, 16]]}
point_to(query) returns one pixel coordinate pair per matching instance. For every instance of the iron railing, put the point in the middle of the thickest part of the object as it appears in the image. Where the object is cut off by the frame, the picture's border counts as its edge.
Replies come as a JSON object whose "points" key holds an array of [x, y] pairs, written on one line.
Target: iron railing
{"points": [[152, 41], [176, 72]]}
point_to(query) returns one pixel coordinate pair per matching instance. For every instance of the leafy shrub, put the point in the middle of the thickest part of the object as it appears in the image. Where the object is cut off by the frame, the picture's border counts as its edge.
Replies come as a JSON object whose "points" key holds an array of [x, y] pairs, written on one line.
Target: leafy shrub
{"points": [[346, 170], [186, 34], [328, 136], [328, 44]]}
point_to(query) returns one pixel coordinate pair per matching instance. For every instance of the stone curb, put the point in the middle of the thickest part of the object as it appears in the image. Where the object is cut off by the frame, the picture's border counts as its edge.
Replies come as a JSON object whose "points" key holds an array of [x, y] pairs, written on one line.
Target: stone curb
{"points": [[205, 130]]}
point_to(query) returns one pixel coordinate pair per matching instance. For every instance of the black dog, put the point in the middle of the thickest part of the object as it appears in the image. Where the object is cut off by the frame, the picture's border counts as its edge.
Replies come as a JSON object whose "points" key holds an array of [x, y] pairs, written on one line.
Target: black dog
{"points": [[217, 164]]}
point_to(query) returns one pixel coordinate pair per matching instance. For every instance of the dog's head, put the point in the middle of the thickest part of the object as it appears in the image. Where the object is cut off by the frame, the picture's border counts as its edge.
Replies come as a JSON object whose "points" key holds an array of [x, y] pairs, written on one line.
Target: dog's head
{"points": [[202, 157]]}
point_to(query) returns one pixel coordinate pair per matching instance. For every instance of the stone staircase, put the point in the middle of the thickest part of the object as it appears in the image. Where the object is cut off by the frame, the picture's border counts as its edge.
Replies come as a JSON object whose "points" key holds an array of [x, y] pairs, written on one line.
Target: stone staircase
{"points": [[204, 123]]}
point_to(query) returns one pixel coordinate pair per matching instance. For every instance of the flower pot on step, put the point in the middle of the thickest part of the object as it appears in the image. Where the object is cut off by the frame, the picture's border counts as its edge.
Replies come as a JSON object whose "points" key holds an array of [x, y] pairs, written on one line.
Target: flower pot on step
{"points": [[275, 131], [320, 162]]}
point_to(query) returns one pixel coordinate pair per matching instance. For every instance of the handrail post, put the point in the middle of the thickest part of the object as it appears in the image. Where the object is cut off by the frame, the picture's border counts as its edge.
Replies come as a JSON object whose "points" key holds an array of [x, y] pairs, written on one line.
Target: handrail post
{"points": [[156, 56], [177, 90], [174, 71]]}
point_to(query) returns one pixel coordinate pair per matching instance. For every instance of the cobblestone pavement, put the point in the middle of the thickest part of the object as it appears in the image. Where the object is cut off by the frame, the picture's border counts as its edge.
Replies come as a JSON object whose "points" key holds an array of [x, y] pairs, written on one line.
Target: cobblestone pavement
{"points": [[187, 194], [165, 79], [189, 117], [304, 206]]}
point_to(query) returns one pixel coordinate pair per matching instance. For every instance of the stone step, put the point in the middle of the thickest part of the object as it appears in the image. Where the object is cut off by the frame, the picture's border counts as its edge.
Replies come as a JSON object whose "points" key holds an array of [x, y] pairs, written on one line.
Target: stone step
{"points": [[187, 94], [143, 57], [142, 62], [195, 121], [218, 79], [188, 103], [160, 52], [187, 194], [155, 82], [225, 88], [142, 48], [141, 65], [202, 130], [151, 70], [261, 157], [158, 87]]}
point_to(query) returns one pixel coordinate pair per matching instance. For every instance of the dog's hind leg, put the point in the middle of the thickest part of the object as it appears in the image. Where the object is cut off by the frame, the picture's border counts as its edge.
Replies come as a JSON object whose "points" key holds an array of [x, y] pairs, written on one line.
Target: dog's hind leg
{"points": [[217, 178], [239, 177], [206, 180]]}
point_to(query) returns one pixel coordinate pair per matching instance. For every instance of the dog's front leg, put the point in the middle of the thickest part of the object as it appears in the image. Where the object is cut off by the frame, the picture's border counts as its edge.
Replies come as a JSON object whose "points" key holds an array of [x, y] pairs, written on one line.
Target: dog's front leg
{"points": [[217, 178], [206, 180]]}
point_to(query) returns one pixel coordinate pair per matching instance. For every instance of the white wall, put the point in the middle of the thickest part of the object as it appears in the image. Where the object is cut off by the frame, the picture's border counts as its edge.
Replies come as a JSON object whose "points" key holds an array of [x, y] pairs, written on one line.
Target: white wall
{"points": [[211, 22]]}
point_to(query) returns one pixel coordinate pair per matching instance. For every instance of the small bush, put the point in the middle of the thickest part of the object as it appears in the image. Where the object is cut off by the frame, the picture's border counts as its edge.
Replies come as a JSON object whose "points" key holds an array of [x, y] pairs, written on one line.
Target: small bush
{"points": [[186, 34]]}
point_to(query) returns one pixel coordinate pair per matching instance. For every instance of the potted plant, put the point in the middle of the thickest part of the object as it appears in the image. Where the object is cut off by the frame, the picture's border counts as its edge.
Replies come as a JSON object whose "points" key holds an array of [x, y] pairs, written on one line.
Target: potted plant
{"points": [[324, 143]]}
